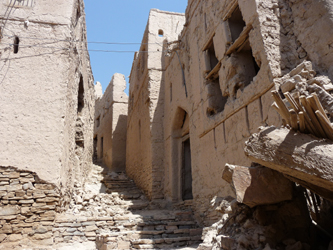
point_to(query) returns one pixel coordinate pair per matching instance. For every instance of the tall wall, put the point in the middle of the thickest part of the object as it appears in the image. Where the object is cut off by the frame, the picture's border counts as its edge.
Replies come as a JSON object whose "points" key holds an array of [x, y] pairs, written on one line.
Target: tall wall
{"points": [[145, 146], [46, 91], [110, 125], [231, 60]]}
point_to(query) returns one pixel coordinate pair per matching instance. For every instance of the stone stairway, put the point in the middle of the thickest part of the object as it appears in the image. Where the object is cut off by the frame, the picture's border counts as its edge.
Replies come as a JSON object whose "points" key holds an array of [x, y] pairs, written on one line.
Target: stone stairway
{"points": [[117, 215]]}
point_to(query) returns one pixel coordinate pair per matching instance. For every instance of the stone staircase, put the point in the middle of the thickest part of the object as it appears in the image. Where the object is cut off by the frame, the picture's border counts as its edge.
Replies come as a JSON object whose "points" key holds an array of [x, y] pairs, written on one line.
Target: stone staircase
{"points": [[121, 217]]}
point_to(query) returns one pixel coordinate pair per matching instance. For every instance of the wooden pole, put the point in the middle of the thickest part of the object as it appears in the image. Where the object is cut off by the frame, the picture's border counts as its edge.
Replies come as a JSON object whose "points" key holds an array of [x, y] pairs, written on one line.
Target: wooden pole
{"points": [[318, 131], [325, 124], [284, 110]]}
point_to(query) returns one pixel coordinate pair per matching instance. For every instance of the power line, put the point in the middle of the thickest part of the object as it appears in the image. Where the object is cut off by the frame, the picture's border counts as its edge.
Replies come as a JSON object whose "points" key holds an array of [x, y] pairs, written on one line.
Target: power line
{"points": [[90, 50], [92, 42]]}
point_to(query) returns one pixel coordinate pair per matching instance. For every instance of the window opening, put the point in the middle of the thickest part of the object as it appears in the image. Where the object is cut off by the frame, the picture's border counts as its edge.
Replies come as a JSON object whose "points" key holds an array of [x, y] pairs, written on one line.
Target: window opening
{"points": [[98, 121], [139, 130], [248, 64], [102, 144], [16, 44], [211, 56], [80, 102], [160, 33], [216, 101], [236, 23], [95, 148], [170, 91], [78, 13]]}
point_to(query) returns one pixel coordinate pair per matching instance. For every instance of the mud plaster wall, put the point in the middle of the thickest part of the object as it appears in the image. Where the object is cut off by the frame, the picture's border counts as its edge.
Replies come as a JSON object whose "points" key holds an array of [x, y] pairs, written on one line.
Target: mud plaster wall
{"points": [[280, 39], [111, 123], [39, 92], [219, 139], [145, 144]]}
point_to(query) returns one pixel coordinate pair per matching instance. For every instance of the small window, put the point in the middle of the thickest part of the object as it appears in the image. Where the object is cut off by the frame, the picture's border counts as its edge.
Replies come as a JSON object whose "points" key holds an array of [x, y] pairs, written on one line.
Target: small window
{"points": [[102, 147], [98, 121], [160, 33], [212, 56], [139, 130], [16, 44], [170, 91], [80, 97], [78, 12]]}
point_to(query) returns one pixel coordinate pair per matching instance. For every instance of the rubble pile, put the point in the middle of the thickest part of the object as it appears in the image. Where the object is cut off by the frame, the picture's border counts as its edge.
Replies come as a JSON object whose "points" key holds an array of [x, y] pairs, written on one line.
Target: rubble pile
{"points": [[284, 199], [109, 211]]}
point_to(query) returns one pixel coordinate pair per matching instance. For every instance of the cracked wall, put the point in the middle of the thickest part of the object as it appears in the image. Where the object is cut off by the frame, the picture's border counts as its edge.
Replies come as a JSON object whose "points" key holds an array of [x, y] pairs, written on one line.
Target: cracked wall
{"points": [[46, 87]]}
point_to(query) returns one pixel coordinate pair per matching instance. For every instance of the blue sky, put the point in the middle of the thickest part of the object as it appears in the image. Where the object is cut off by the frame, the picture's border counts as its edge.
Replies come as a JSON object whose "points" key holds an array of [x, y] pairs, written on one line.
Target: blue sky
{"points": [[119, 21]]}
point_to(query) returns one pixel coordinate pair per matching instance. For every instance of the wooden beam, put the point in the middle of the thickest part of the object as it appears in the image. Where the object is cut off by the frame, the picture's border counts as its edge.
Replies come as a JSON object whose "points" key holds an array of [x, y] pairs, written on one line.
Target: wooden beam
{"points": [[301, 156], [240, 40]]}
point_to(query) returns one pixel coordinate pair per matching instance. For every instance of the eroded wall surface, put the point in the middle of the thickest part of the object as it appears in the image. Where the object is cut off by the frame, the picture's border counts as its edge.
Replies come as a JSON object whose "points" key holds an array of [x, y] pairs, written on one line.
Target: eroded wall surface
{"points": [[145, 143], [215, 90], [46, 91], [110, 125], [232, 54]]}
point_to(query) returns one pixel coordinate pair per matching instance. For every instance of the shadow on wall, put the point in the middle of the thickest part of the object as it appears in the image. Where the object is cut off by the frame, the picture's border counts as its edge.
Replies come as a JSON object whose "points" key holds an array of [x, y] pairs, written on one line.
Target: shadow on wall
{"points": [[119, 144]]}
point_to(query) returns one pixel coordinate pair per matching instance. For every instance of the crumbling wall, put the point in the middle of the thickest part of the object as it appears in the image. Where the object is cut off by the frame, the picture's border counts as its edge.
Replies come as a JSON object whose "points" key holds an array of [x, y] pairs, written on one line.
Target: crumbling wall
{"points": [[224, 103], [28, 206], [111, 123], [46, 91], [145, 144]]}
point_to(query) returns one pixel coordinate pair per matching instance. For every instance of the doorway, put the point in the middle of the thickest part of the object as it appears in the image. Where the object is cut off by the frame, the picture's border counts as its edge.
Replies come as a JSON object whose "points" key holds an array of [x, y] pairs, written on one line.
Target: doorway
{"points": [[186, 170]]}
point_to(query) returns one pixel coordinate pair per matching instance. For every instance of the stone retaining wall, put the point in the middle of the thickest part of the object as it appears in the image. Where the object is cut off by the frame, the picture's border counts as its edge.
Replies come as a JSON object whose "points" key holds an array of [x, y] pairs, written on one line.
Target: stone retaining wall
{"points": [[27, 206]]}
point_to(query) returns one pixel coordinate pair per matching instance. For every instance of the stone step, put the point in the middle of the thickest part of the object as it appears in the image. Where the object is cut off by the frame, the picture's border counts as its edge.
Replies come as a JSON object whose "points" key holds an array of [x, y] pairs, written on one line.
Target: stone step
{"points": [[164, 243]]}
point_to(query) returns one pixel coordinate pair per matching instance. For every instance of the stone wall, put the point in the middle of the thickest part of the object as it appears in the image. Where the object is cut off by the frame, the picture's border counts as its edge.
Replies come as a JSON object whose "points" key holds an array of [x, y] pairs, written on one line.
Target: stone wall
{"points": [[28, 206], [46, 88], [110, 125]]}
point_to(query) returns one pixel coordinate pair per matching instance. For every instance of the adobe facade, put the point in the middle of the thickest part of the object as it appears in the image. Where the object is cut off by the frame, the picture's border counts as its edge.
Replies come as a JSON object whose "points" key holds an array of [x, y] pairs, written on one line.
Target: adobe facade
{"points": [[213, 90], [47, 108], [145, 140], [110, 124]]}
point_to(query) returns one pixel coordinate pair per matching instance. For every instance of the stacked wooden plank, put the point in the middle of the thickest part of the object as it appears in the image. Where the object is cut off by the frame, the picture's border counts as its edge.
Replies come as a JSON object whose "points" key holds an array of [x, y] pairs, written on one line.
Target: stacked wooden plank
{"points": [[305, 114]]}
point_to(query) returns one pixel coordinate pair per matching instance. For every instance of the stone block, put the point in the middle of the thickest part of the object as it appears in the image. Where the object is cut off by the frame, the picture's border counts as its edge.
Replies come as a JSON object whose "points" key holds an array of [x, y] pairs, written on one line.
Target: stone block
{"points": [[27, 186], [26, 201], [14, 237], [9, 210], [42, 236], [3, 237], [41, 230], [6, 229], [260, 186], [44, 186], [90, 234], [88, 223], [124, 245], [17, 187], [39, 194], [91, 228], [48, 199]]}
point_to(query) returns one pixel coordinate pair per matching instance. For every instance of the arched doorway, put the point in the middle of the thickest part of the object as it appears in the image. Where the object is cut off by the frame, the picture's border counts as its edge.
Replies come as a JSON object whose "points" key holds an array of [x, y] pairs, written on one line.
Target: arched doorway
{"points": [[181, 174]]}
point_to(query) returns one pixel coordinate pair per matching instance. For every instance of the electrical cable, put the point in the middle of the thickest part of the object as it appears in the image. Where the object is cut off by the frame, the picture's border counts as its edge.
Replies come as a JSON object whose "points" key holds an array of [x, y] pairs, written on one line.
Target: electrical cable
{"points": [[92, 42], [90, 50]]}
